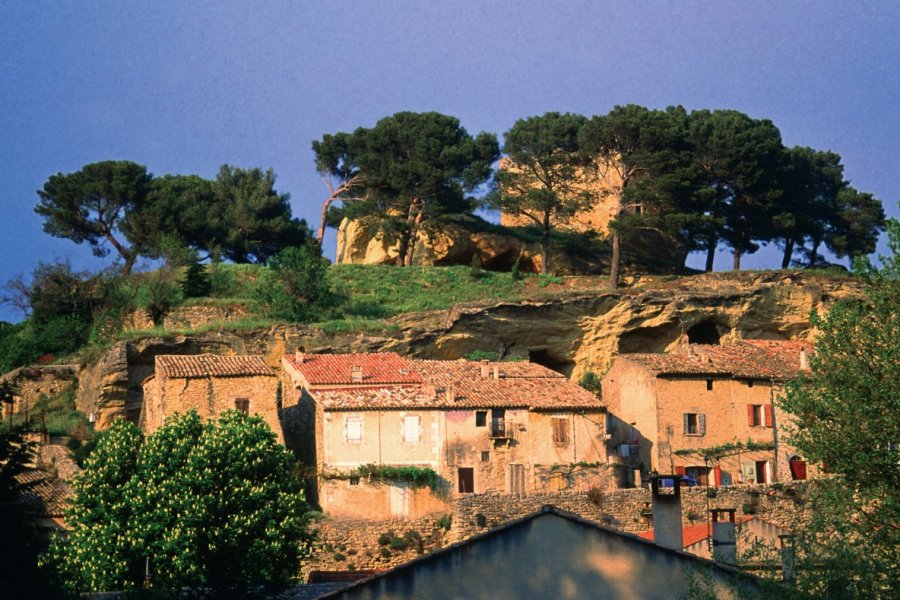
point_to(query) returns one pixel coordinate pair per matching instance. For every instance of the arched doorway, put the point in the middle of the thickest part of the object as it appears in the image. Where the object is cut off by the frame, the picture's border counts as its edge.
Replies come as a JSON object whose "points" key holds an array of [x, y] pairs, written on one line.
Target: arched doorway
{"points": [[798, 467]]}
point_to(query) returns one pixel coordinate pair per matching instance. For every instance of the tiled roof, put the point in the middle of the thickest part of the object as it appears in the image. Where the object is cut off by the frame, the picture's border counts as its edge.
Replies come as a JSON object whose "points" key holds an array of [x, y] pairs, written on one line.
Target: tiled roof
{"points": [[460, 384], [211, 365], [47, 496], [336, 369], [752, 359], [691, 534]]}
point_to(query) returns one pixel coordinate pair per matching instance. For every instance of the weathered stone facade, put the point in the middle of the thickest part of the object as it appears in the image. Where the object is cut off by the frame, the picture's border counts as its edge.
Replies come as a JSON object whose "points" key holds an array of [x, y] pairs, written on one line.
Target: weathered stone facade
{"points": [[211, 390]]}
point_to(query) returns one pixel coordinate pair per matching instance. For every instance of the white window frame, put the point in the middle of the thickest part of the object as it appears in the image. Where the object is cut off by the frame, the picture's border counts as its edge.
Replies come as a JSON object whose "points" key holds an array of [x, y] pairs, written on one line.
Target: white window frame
{"points": [[353, 424], [412, 429]]}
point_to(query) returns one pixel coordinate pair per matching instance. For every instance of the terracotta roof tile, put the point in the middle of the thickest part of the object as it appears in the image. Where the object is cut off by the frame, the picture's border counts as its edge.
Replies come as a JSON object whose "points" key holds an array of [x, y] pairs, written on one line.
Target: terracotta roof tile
{"points": [[752, 359], [211, 365], [47, 496], [336, 369], [460, 384]]}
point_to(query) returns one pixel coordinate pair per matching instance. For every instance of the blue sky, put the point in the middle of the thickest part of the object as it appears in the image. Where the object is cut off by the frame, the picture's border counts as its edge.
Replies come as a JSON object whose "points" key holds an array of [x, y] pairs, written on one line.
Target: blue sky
{"points": [[184, 87]]}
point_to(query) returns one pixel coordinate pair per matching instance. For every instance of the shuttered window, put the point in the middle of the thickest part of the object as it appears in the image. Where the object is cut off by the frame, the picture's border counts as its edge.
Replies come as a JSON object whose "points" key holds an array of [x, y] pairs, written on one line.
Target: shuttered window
{"points": [[243, 405], [411, 429], [560, 430], [694, 424], [353, 429]]}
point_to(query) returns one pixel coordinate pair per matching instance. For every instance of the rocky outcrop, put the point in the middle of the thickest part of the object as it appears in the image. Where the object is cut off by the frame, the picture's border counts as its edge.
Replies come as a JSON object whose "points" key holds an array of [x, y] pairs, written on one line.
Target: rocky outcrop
{"points": [[497, 248], [572, 335]]}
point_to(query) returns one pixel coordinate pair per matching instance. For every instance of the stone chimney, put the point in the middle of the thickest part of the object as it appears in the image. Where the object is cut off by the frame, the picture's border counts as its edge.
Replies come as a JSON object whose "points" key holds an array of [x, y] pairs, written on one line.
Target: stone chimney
{"points": [[299, 357], [496, 372], [485, 369], [724, 536], [667, 511], [788, 557], [804, 360], [431, 391], [356, 374], [451, 393]]}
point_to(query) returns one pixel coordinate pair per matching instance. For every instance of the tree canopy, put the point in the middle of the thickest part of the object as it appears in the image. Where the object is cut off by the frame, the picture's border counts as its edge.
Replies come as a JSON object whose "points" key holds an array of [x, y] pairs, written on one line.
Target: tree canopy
{"points": [[407, 172], [95, 204], [542, 177], [193, 505], [846, 419]]}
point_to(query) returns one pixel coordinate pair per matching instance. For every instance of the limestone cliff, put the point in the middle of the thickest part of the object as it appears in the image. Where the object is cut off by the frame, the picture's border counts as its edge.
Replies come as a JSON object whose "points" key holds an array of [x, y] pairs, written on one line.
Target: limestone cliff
{"points": [[572, 334], [457, 242]]}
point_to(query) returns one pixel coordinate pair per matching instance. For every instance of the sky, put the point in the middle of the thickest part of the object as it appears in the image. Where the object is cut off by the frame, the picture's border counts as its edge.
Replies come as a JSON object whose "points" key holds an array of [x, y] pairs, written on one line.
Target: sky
{"points": [[186, 86]]}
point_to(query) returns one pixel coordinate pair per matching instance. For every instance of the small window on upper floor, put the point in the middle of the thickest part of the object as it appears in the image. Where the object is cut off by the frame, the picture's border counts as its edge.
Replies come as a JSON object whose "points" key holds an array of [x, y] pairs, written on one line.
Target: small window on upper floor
{"points": [[243, 405], [709, 385], [480, 418], [353, 429], [694, 424], [560, 430], [411, 429]]}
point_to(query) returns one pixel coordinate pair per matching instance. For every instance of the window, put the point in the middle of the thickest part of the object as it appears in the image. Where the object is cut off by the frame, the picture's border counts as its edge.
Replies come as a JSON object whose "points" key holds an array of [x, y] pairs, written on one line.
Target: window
{"points": [[411, 429], [466, 480], [694, 424], [755, 415], [485, 456], [560, 430], [353, 429], [243, 405], [480, 418], [709, 383]]}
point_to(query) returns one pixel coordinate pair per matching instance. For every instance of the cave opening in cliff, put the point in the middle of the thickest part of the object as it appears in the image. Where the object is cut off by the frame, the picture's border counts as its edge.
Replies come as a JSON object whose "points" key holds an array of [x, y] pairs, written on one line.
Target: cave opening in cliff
{"points": [[546, 359], [706, 332]]}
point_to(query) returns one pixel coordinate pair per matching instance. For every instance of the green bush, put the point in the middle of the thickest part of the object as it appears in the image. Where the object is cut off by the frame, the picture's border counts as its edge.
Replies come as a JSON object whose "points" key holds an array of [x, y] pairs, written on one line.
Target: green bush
{"points": [[385, 538], [196, 282], [445, 522], [296, 285]]}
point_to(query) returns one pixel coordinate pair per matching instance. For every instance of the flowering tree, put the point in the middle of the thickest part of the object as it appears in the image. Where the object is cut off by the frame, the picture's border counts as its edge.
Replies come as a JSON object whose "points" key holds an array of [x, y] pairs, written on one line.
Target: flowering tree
{"points": [[193, 505]]}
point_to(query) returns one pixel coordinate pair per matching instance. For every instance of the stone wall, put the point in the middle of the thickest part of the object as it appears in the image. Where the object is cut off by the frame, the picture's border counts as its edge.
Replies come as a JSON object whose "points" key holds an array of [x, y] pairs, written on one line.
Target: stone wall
{"points": [[354, 544], [41, 380], [188, 317]]}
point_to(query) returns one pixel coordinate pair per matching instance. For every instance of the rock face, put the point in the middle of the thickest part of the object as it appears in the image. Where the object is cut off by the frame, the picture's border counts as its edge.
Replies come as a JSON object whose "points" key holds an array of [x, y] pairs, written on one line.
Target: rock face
{"points": [[456, 243], [572, 335]]}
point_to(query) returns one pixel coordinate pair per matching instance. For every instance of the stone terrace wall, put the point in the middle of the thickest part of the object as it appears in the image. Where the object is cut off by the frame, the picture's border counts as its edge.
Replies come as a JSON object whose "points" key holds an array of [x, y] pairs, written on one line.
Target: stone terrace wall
{"points": [[782, 505], [188, 317], [353, 545], [346, 544], [33, 382]]}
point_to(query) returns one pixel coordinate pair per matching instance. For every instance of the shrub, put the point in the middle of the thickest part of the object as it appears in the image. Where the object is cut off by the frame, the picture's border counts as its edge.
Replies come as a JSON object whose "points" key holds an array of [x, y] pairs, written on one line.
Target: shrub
{"points": [[595, 495], [196, 282], [385, 553], [296, 285], [385, 538], [748, 509], [444, 522], [480, 520], [591, 383], [397, 543]]}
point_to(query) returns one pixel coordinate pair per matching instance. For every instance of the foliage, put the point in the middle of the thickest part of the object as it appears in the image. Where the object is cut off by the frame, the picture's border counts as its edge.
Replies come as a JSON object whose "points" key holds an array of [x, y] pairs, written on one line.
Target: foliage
{"points": [[209, 505], [196, 282], [543, 174], [296, 287], [591, 383], [417, 476], [159, 293], [95, 205], [410, 170], [444, 522], [714, 453], [846, 419]]}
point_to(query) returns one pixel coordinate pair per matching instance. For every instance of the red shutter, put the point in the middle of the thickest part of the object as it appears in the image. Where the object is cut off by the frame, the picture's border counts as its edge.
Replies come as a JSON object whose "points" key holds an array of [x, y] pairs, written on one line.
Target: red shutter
{"points": [[717, 475], [750, 415], [768, 415], [679, 470]]}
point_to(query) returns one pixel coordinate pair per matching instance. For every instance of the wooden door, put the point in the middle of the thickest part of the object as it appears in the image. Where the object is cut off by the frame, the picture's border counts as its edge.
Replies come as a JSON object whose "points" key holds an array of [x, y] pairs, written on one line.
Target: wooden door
{"points": [[517, 480], [466, 478]]}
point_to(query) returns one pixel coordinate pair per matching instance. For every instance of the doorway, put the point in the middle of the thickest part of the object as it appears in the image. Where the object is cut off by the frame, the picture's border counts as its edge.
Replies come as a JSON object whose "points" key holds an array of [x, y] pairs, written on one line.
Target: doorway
{"points": [[762, 471], [466, 478]]}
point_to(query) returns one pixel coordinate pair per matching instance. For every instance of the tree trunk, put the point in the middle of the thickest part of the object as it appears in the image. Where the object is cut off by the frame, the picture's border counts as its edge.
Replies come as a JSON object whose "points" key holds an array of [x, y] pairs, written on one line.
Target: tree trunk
{"points": [[413, 241], [615, 263], [711, 253], [403, 248], [321, 232], [737, 260], [788, 253], [545, 244], [130, 256], [813, 253]]}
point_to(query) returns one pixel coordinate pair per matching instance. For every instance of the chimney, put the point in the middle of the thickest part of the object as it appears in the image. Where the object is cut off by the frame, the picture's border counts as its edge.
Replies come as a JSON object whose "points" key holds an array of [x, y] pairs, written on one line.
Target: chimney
{"points": [[723, 535], [485, 369], [356, 374], [804, 360], [299, 357], [667, 511], [431, 391], [496, 372], [451, 393], [788, 557]]}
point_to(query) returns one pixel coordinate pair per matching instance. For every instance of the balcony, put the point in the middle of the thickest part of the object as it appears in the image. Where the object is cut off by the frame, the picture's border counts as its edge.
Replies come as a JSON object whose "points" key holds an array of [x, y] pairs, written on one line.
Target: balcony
{"points": [[501, 429]]}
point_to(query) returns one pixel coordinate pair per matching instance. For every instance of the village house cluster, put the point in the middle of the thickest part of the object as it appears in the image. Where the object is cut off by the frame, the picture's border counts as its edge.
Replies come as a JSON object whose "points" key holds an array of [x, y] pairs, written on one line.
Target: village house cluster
{"points": [[705, 412]]}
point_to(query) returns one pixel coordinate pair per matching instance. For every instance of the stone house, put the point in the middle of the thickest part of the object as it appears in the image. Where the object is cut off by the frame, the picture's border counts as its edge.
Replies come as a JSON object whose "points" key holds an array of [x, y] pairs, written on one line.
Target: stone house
{"points": [[210, 384], [671, 409], [509, 428]]}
